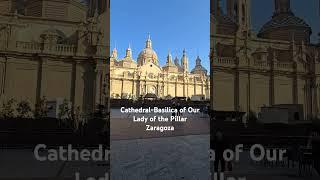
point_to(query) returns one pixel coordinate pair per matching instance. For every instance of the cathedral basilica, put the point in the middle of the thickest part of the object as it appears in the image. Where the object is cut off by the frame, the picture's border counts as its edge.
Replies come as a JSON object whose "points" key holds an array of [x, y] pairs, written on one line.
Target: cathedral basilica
{"points": [[278, 65], [130, 79]]}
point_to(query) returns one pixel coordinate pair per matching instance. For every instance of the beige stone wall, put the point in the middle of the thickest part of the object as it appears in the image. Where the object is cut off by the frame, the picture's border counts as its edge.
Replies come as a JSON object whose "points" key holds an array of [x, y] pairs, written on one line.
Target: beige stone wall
{"points": [[283, 91], [171, 89], [6, 6], [279, 66], [223, 91], [64, 67], [20, 79], [70, 10], [140, 80], [25, 79], [116, 87], [259, 92], [57, 73], [163, 88], [272, 77], [243, 92]]}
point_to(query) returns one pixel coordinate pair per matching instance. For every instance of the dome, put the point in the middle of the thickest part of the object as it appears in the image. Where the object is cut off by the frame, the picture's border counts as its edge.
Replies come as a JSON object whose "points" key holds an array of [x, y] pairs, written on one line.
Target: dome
{"points": [[285, 20], [284, 25], [148, 54], [199, 69]]}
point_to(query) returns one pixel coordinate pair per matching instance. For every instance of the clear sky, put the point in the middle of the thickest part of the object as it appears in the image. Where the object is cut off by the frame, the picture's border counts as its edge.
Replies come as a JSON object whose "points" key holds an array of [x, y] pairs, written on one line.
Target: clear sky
{"points": [[172, 24], [178, 24], [262, 10]]}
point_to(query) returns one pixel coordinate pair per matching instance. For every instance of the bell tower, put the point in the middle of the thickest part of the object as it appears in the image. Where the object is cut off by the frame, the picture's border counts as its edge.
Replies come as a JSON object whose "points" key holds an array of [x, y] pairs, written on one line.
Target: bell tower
{"points": [[184, 61], [239, 10]]}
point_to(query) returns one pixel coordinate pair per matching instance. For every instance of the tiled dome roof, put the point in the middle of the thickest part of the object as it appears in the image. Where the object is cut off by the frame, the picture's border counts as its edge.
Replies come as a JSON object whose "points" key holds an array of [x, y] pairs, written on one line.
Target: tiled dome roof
{"points": [[199, 68], [284, 20]]}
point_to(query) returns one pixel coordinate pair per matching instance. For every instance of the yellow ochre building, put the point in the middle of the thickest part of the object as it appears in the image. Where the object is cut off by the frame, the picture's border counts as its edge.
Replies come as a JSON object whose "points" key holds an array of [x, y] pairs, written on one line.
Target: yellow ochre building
{"points": [[130, 79], [278, 65]]}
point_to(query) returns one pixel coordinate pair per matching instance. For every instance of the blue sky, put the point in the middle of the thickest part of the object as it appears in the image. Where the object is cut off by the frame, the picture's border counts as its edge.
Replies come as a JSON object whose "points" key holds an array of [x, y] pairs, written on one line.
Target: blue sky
{"points": [[172, 24], [262, 11], [178, 24]]}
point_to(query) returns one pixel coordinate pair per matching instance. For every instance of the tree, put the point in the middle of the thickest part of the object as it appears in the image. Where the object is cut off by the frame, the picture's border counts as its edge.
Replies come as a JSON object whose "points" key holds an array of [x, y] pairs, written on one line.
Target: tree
{"points": [[41, 108], [24, 109], [8, 109], [64, 110]]}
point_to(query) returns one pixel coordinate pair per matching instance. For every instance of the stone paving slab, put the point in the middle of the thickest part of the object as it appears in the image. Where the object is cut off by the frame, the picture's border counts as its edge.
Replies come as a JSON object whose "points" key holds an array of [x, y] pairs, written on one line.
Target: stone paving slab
{"points": [[183, 157]]}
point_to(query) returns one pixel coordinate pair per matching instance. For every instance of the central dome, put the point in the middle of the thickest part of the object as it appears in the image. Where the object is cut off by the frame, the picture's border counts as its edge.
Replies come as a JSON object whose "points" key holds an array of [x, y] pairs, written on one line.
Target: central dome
{"points": [[284, 21], [284, 25], [148, 54]]}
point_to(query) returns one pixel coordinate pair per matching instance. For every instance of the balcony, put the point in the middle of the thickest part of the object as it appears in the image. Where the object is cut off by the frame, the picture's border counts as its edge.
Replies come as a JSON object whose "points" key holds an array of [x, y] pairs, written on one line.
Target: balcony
{"points": [[284, 66], [28, 47], [224, 62]]}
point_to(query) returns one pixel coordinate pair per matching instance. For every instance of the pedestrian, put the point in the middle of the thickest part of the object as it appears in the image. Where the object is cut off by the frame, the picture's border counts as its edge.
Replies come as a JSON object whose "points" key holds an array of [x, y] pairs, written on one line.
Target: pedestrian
{"points": [[219, 146]]}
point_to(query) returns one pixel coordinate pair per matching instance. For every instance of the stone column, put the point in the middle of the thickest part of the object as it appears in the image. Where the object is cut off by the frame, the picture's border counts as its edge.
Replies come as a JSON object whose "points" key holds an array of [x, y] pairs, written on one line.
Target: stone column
{"points": [[98, 90], [184, 88], [187, 87], [3, 61], [194, 86], [110, 86], [145, 86], [168, 84], [133, 85], [121, 88], [271, 80], [295, 85], [318, 97], [73, 84], [236, 90], [176, 87], [79, 85], [41, 78], [202, 86]]}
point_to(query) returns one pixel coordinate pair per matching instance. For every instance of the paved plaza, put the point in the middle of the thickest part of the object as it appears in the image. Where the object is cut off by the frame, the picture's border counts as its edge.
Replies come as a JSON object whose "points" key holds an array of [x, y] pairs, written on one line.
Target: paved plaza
{"points": [[182, 157], [140, 155]]}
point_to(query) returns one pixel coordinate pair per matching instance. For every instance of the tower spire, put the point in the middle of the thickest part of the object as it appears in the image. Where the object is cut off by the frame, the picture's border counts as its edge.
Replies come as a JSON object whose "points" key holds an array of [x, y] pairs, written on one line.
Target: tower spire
{"points": [[169, 58], [96, 13], [114, 53], [129, 52], [184, 61], [149, 42]]}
